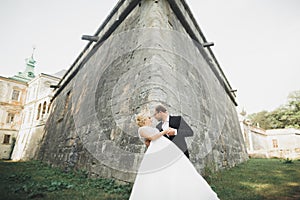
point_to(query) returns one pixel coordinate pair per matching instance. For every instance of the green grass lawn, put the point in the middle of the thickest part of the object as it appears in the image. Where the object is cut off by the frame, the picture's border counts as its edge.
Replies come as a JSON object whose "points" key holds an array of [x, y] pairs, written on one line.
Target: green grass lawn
{"points": [[259, 179], [35, 180], [252, 180]]}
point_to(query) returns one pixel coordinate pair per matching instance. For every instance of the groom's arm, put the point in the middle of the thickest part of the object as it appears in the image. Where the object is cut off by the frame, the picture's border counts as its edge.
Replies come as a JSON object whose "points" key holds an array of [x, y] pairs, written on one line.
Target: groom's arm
{"points": [[184, 129]]}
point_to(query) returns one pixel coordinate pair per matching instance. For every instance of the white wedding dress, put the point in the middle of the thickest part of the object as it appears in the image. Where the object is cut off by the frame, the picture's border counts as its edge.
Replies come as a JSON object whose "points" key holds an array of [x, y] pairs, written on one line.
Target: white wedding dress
{"points": [[166, 173]]}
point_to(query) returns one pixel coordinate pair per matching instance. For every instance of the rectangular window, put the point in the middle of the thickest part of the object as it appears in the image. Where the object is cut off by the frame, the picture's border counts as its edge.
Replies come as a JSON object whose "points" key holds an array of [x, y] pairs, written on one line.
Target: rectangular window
{"points": [[10, 118], [15, 95], [275, 143], [6, 139]]}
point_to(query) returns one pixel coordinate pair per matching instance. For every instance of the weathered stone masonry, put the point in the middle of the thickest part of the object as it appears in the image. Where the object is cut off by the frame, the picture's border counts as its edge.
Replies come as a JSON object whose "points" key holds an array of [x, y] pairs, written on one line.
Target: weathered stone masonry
{"points": [[148, 52]]}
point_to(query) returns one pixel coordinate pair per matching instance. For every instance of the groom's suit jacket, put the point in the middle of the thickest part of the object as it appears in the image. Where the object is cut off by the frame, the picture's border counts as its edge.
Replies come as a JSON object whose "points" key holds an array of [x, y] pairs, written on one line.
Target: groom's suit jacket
{"points": [[183, 130]]}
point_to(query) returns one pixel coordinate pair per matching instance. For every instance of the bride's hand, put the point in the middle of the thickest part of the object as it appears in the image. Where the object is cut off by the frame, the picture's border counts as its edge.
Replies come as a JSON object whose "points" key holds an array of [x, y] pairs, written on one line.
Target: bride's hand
{"points": [[171, 131]]}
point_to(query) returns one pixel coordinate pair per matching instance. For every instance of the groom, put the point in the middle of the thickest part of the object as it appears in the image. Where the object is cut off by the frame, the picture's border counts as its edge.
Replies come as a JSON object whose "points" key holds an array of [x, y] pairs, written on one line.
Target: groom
{"points": [[178, 128]]}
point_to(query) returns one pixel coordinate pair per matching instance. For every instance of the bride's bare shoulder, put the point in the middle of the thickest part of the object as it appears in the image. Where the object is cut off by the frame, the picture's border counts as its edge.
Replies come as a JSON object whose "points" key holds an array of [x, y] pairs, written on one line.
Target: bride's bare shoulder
{"points": [[143, 128], [146, 129]]}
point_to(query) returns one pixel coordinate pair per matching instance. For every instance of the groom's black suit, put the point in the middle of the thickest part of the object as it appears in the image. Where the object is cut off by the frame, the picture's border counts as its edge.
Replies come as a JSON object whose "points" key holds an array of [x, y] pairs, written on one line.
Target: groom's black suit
{"points": [[183, 130]]}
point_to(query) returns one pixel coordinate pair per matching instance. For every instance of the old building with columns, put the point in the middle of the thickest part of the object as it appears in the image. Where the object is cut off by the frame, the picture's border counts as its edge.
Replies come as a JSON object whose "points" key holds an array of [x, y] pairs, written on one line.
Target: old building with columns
{"points": [[35, 113], [24, 108], [12, 100]]}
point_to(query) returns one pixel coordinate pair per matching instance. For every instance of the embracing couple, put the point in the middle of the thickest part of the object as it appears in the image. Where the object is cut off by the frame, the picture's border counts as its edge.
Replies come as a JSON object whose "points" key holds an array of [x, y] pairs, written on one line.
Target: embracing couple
{"points": [[166, 171]]}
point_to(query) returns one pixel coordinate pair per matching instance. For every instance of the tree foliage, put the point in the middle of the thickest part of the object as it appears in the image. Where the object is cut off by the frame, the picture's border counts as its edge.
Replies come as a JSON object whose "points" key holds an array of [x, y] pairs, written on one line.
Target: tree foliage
{"points": [[287, 116]]}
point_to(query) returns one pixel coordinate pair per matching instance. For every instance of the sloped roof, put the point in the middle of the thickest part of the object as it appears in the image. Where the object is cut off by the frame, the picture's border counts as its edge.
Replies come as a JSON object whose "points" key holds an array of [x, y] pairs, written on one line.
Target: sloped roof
{"points": [[60, 74]]}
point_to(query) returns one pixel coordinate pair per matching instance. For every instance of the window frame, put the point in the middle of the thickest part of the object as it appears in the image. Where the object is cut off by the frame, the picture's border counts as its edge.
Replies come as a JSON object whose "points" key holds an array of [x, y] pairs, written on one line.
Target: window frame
{"points": [[6, 139], [10, 117], [13, 95]]}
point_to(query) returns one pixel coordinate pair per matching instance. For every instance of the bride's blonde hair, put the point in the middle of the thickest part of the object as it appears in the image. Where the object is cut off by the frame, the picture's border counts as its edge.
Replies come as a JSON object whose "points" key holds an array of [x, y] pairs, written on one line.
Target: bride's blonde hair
{"points": [[141, 120]]}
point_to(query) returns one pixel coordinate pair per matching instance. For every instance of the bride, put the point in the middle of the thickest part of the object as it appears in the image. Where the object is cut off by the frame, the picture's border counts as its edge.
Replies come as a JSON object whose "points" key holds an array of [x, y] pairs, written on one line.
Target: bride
{"points": [[165, 172]]}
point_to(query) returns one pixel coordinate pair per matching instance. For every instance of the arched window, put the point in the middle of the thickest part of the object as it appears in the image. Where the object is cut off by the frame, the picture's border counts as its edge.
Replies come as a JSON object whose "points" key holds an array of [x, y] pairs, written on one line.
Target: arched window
{"points": [[39, 112], [44, 107]]}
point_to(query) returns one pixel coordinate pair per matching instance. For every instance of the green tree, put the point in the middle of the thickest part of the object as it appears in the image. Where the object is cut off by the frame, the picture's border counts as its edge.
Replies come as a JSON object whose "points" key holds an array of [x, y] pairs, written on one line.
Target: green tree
{"points": [[294, 109], [260, 119], [287, 116], [278, 118]]}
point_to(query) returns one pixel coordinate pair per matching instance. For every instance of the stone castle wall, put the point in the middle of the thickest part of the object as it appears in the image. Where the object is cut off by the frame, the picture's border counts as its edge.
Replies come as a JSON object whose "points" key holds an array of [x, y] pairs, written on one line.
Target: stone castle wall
{"points": [[148, 59]]}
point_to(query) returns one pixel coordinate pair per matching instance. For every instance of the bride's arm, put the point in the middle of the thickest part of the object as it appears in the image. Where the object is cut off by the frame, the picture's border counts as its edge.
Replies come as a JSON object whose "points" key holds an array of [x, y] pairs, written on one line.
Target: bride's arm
{"points": [[153, 137]]}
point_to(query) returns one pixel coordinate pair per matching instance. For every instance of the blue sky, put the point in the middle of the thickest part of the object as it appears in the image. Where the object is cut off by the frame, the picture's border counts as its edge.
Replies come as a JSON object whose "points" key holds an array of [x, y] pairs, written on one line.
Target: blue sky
{"points": [[256, 41]]}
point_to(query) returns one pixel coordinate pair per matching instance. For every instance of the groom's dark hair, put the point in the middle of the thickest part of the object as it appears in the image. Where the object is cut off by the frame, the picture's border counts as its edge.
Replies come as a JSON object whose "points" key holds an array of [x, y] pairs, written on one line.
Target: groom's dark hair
{"points": [[160, 108]]}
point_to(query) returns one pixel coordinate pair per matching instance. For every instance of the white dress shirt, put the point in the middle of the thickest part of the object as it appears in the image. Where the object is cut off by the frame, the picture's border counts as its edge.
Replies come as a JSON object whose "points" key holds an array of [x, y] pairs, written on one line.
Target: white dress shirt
{"points": [[166, 125]]}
